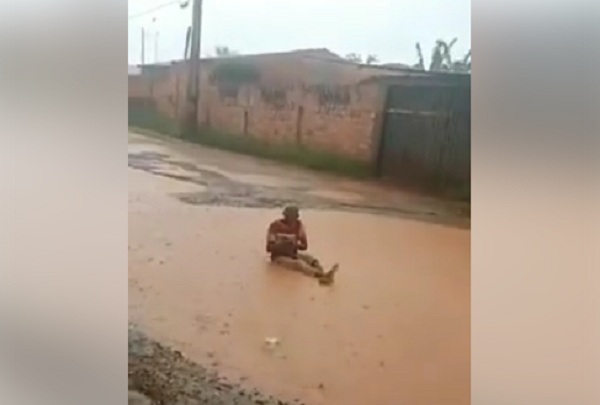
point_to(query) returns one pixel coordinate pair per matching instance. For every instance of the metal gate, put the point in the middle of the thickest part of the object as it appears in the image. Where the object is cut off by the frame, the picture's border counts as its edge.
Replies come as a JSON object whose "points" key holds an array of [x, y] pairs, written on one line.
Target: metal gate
{"points": [[426, 137]]}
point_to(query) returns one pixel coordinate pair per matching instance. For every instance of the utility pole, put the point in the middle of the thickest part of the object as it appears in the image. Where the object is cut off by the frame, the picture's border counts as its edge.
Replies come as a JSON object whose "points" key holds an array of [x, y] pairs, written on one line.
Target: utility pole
{"points": [[191, 123], [156, 47], [143, 46]]}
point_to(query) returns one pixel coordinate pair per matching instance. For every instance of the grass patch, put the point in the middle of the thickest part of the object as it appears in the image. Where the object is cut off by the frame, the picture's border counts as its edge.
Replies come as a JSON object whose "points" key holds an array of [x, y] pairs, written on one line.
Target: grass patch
{"points": [[147, 120], [290, 153]]}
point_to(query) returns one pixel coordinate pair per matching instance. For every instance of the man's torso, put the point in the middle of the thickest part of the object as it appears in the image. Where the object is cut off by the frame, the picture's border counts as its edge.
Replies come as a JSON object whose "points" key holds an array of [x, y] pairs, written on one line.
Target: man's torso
{"points": [[281, 232]]}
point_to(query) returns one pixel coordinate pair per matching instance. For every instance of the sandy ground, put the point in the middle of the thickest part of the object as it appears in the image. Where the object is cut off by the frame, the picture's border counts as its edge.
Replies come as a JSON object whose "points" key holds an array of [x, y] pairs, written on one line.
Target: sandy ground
{"points": [[395, 327]]}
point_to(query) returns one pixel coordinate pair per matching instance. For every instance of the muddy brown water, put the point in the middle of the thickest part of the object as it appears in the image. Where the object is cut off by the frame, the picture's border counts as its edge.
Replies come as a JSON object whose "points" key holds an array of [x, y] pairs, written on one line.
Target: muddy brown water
{"points": [[393, 329]]}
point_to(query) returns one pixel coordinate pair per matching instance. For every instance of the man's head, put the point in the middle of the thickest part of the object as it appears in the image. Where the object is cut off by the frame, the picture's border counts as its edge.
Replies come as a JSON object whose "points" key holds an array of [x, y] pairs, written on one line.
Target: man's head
{"points": [[291, 213]]}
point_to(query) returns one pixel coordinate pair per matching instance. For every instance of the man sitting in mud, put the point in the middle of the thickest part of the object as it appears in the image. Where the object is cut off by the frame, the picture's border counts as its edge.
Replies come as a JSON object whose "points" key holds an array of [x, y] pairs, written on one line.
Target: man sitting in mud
{"points": [[286, 237]]}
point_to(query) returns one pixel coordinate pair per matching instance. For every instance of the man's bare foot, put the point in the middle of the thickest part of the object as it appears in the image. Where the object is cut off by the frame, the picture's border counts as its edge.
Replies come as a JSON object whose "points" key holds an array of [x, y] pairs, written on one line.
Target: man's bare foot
{"points": [[328, 277]]}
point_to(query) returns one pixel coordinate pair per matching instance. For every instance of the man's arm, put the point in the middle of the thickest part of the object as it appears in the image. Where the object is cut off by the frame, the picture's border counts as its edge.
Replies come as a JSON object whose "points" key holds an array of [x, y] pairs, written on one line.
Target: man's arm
{"points": [[271, 238], [302, 238]]}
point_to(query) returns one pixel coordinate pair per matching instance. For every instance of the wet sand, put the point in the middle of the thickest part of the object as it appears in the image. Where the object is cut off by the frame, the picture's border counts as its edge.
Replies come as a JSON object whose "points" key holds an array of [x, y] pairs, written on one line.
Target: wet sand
{"points": [[394, 329]]}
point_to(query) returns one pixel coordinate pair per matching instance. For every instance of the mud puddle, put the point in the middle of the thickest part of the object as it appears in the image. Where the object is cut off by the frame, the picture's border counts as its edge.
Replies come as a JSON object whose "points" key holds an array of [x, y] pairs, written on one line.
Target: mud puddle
{"points": [[260, 191], [393, 329]]}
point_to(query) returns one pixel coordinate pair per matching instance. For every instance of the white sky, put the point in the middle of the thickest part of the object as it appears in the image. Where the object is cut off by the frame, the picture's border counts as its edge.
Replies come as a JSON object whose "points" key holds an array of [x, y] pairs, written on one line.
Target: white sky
{"points": [[386, 28]]}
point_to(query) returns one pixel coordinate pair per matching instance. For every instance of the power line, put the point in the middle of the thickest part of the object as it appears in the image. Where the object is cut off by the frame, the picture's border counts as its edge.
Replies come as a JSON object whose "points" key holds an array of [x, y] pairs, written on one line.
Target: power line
{"points": [[182, 4]]}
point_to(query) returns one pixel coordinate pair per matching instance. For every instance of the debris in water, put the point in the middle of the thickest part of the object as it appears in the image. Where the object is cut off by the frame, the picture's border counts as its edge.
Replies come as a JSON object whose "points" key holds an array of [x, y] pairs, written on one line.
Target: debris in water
{"points": [[272, 342]]}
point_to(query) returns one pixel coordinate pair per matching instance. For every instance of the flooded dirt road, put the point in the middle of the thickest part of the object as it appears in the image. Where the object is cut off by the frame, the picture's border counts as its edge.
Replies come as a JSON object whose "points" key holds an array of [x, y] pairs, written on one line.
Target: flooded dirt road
{"points": [[395, 327]]}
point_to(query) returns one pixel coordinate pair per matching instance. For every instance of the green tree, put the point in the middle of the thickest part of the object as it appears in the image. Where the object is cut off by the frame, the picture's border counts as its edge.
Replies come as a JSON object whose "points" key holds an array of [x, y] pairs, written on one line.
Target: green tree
{"points": [[224, 52], [463, 65], [371, 59], [421, 63], [354, 57], [441, 58]]}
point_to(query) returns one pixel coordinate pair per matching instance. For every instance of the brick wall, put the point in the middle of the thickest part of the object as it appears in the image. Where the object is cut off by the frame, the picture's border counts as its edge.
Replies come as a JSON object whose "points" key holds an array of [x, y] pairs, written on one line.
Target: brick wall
{"points": [[308, 102], [137, 87], [309, 117]]}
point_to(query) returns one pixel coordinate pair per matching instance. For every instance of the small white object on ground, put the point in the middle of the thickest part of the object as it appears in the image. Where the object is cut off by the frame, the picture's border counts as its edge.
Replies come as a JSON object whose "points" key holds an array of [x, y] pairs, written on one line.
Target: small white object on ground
{"points": [[272, 342]]}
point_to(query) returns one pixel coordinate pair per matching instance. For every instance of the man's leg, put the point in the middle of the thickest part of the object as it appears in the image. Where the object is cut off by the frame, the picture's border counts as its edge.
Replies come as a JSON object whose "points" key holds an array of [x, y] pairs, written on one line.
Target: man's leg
{"points": [[325, 277], [299, 265], [311, 261]]}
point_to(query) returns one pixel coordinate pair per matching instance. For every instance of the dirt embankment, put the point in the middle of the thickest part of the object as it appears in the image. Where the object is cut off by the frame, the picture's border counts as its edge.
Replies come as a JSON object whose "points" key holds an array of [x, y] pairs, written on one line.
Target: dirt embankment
{"points": [[161, 376]]}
